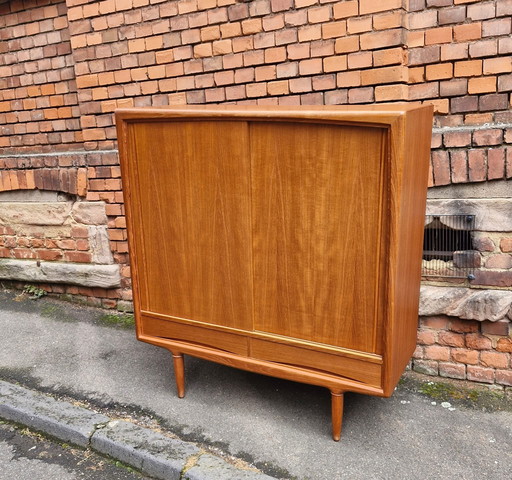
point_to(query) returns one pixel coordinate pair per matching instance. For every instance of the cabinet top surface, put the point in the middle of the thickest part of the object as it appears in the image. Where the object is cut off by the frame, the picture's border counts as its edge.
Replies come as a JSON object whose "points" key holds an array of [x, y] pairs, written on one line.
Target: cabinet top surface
{"points": [[384, 113]]}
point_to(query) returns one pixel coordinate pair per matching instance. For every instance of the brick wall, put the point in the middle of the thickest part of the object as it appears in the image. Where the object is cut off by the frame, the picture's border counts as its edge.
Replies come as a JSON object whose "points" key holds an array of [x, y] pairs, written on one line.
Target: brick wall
{"points": [[65, 66], [464, 349]]}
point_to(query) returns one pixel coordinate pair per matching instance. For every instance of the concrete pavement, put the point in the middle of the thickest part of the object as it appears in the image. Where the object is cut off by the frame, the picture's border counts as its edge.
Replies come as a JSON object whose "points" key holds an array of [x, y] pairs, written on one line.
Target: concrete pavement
{"points": [[230, 419]]}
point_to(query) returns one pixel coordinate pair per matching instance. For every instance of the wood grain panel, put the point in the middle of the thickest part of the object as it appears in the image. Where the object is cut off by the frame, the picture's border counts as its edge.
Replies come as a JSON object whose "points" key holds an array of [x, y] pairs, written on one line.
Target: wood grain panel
{"points": [[195, 335], [192, 221], [351, 368], [316, 209]]}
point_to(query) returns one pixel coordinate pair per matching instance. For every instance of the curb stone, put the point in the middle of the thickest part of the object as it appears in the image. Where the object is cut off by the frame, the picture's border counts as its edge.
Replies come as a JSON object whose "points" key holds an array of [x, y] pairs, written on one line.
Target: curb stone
{"points": [[61, 420], [150, 452]]}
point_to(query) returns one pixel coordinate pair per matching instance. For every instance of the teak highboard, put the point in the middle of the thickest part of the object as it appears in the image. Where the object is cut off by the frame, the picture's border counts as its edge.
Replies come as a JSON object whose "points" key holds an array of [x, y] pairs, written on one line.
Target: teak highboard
{"points": [[283, 241]]}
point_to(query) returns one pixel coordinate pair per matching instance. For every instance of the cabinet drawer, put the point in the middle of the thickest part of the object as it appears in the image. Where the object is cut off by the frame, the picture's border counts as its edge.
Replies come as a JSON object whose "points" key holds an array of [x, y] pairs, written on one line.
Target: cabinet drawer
{"points": [[354, 369], [198, 335]]}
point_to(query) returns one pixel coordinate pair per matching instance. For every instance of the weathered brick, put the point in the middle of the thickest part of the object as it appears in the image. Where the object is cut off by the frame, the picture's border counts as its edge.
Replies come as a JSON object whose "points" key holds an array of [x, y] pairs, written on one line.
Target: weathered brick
{"points": [[480, 374], [427, 367], [500, 261], [504, 345], [452, 370], [483, 48], [464, 104], [493, 278], [459, 167], [478, 342], [506, 244], [496, 168], [451, 339], [488, 137], [457, 139], [361, 95], [420, 56], [454, 87], [504, 377], [493, 28], [496, 328], [495, 359], [464, 326], [426, 337]]}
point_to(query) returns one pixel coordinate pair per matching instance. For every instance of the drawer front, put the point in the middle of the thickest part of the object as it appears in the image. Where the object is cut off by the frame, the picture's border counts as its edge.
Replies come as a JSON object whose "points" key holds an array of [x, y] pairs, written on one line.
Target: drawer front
{"points": [[351, 368], [197, 335]]}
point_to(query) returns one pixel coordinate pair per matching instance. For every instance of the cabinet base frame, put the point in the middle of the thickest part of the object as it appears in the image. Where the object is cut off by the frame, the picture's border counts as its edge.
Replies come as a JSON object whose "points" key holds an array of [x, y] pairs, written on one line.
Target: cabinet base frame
{"points": [[337, 385]]}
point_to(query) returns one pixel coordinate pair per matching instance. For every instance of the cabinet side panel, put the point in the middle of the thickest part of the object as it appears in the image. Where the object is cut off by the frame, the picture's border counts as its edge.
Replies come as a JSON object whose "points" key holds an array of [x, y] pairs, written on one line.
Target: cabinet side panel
{"points": [[414, 137], [190, 193], [316, 214]]}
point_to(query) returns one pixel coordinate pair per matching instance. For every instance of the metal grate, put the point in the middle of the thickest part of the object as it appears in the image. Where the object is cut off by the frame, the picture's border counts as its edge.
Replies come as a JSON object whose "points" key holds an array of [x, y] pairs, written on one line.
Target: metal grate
{"points": [[448, 247]]}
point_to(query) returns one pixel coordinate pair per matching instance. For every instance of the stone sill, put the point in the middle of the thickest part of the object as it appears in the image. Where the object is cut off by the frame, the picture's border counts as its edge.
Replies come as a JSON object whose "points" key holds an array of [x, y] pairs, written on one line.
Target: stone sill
{"points": [[465, 303], [83, 274]]}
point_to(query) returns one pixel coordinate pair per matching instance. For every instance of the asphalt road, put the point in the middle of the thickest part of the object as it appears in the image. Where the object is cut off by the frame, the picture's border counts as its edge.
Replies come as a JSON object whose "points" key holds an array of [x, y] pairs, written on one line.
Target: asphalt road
{"points": [[282, 427], [28, 456]]}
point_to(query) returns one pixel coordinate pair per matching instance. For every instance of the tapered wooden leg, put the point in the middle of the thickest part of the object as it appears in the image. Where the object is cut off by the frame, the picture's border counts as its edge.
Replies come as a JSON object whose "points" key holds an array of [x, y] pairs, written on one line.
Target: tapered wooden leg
{"points": [[179, 373], [337, 414]]}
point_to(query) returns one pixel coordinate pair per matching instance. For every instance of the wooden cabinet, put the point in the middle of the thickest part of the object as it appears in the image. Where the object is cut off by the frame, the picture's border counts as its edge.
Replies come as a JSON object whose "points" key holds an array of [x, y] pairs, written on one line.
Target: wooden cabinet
{"points": [[281, 241]]}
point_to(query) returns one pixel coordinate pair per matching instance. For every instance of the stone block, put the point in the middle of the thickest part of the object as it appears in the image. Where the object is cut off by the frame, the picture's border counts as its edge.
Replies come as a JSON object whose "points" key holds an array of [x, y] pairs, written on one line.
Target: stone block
{"points": [[88, 275], [89, 213], [492, 305], [99, 245], [491, 214], [31, 213]]}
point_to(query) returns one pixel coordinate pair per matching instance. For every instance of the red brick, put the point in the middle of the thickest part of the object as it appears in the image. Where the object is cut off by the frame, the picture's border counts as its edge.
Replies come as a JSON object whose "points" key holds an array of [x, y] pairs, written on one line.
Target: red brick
{"points": [[451, 339], [478, 342], [452, 370], [464, 326], [504, 345], [488, 137], [506, 244], [493, 278], [504, 377], [310, 66], [480, 374], [382, 39], [457, 139], [418, 352], [280, 5], [334, 29], [496, 328], [437, 323], [495, 163], [441, 168], [438, 35], [468, 31], [426, 337], [437, 352], [495, 359], [439, 71], [346, 9], [459, 166], [359, 25], [501, 261]]}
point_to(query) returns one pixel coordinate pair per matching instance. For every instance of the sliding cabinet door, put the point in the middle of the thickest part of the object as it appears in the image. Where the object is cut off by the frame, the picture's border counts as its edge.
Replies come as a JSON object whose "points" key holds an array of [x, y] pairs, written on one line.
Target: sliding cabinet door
{"points": [[316, 215], [191, 219]]}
